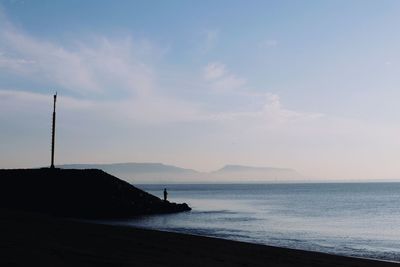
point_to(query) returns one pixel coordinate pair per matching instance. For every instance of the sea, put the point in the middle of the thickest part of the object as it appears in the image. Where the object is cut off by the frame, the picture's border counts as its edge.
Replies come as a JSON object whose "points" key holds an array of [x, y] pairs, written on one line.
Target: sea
{"points": [[352, 219]]}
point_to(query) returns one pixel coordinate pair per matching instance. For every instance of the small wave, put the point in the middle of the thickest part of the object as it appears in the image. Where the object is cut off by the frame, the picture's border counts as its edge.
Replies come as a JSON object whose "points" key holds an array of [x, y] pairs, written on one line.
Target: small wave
{"points": [[217, 232], [238, 219], [214, 212]]}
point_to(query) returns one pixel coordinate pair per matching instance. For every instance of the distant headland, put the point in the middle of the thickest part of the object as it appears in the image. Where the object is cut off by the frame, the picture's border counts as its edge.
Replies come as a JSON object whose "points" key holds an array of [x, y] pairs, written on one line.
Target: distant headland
{"points": [[161, 173]]}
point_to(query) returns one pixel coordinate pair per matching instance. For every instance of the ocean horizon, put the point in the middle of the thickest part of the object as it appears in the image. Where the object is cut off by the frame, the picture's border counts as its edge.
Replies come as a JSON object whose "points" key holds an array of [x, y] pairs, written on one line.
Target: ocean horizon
{"points": [[350, 219]]}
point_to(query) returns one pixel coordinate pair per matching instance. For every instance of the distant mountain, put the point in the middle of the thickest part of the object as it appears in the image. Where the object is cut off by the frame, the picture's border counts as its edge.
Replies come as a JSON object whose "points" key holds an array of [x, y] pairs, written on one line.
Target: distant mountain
{"points": [[131, 167], [161, 173]]}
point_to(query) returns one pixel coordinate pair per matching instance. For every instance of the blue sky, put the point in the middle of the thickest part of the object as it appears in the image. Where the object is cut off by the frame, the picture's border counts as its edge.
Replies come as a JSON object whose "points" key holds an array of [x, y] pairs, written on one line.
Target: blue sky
{"points": [[310, 85]]}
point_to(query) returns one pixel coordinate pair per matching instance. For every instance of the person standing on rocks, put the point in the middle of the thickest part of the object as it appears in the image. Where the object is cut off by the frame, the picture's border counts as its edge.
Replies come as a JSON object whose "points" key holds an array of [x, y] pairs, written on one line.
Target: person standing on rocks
{"points": [[165, 194]]}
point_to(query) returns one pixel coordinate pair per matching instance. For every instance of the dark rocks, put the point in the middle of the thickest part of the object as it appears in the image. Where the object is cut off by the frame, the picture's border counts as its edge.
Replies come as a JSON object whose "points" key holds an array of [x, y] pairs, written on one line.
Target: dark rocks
{"points": [[78, 193]]}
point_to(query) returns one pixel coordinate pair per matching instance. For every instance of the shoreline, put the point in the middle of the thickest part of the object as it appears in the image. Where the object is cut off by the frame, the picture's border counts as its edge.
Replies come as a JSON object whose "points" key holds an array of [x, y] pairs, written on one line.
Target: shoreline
{"points": [[261, 244], [232, 240], [30, 239]]}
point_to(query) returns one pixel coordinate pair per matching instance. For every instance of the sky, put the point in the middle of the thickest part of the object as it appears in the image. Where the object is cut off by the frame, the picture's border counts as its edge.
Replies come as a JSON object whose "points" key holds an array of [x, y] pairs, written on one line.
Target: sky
{"points": [[308, 85]]}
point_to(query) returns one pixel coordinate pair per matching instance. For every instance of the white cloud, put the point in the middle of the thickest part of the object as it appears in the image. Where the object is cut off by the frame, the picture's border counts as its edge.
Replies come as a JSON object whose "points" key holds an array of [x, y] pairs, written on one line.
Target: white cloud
{"points": [[48, 62], [220, 79], [229, 82], [97, 66], [144, 110], [273, 110], [270, 114], [214, 71], [14, 63], [23, 101]]}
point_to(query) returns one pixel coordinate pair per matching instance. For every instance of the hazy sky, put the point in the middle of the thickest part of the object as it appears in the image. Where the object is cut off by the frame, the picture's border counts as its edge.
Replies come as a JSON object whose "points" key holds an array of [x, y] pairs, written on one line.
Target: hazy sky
{"points": [[309, 85]]}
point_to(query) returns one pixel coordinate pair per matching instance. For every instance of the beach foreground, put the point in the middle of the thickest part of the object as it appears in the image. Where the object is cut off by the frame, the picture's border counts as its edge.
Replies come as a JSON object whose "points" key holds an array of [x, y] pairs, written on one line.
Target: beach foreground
{"points": [[29, 239]]}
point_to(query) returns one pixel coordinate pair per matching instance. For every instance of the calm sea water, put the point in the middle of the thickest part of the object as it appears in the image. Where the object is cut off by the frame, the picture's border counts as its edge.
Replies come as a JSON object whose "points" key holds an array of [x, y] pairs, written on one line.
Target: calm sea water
{"points": [[359, 219]]}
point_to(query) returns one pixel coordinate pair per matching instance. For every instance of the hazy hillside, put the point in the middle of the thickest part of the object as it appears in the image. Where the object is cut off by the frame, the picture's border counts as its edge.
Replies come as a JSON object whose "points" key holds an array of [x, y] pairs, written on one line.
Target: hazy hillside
{"points": [[254, 174], [136, 168], [142, 172], [160, 173]]}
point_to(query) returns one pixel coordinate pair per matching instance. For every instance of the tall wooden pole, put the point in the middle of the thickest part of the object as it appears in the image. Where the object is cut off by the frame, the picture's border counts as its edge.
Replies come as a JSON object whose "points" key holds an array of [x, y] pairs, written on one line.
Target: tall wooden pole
{"points": [[53, 132]]}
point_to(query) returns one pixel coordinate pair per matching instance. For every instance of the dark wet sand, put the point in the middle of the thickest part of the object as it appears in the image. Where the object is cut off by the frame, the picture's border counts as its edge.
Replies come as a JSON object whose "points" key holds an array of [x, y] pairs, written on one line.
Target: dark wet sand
{"points": [[37, 240]]}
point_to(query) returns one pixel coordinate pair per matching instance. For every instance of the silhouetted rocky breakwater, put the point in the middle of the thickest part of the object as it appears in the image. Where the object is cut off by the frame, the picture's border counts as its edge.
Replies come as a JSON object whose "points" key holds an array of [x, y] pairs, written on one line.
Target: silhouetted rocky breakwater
{"points": [[88, 193]]}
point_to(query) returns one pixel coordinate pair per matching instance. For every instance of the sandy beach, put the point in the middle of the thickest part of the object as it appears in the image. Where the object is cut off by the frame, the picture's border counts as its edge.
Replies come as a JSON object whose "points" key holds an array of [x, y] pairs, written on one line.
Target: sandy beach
{"points": [[29, 239]]}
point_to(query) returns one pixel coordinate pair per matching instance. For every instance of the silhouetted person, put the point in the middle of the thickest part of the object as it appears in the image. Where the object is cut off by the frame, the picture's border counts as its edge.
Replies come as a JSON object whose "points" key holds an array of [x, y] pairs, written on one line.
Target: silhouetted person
{"points": [[165, 194]]}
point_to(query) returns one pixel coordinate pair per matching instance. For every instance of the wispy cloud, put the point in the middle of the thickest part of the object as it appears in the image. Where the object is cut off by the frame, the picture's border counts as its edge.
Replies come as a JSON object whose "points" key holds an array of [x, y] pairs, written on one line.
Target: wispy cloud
{"points": [[214, 71], [271, 113], [97, 66], [220, 79], [47, 62]]}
